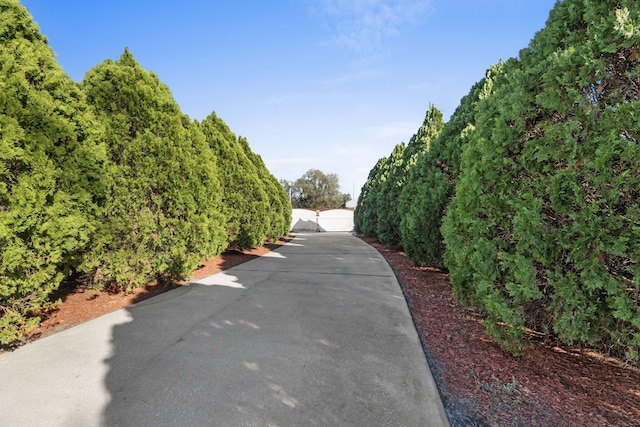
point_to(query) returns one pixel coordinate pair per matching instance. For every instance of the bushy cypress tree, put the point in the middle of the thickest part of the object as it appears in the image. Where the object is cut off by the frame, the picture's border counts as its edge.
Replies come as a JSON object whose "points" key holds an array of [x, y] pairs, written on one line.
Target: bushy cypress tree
{"points": [[162, 214], [379, 206], [244, 200], [411, 206], [366, 213], [544, 231], [388, 219], [431, 183], [279, 204], [362, 211], [51, 157]]}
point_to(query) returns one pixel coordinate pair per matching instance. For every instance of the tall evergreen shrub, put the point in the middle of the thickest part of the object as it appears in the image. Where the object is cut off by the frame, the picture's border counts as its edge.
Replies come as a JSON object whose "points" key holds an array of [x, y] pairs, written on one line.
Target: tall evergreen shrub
{"points": [[279, 205], [431, 183], [410, 204], [386, 202], [544, 231], [403, 160], [51, 155], [379, 212], [244, 200], [366, 214], [163, 210]]}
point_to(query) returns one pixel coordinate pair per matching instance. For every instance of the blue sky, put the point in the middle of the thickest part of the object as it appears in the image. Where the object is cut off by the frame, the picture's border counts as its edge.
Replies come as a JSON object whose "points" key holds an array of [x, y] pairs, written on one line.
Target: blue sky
{"points": [[325, 84]]}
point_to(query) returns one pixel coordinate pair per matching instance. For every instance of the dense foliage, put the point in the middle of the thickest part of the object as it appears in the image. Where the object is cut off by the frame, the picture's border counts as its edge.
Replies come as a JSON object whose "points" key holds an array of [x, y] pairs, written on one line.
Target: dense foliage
{"points": [[162, 214], [535, 181], [279, 204], [109, 179], [437, 169], [365, 218], [386, 199], [255, 205], [545, 229], [416, 211], [381, 209], [244, 199], [51, 157]]}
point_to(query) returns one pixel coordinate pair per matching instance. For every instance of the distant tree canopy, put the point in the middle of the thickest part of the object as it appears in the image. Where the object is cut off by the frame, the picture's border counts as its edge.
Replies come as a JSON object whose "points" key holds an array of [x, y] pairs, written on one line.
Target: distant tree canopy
{"points": [[107, 181], [315, 190], [529, 195]]}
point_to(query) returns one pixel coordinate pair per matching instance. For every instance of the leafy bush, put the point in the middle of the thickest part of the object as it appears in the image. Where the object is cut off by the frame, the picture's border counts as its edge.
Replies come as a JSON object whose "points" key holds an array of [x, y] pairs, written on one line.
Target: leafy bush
{"points": [[244, 200], [416, 206], [366, 213], [544, 231], [162, 213], [279, 205], [380, 207], [431, 183], [280, 208], [394, 207], [51, 155], [387, 227], [147, 204]]}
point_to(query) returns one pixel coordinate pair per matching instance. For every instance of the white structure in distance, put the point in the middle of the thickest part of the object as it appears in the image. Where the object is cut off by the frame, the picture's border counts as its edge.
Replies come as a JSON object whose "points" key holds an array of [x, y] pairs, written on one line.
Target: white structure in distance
{"points": [[321, 220]]}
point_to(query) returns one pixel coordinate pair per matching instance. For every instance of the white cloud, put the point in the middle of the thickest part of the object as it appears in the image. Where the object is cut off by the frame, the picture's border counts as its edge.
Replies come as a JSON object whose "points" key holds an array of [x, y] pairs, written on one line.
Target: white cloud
{"points": [[362, 25]]}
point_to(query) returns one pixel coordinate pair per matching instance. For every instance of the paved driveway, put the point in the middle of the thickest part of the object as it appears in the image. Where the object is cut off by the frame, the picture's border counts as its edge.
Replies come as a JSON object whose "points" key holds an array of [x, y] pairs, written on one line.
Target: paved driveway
{"points": [[316, 333]]}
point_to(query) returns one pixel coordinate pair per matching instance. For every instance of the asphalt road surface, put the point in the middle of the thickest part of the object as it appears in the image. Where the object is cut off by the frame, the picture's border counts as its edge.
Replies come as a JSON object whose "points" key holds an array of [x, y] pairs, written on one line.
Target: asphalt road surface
{"points": [[316, 333]]}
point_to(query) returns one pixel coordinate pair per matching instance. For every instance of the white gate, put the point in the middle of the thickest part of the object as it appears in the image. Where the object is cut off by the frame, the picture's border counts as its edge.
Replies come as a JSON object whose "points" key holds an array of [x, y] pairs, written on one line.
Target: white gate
{"points": [[327, 220]]}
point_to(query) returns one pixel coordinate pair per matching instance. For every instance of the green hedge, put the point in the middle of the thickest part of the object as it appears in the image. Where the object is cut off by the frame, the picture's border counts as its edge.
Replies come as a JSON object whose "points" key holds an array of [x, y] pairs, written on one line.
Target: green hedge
{"points": [[279, 205], [109, 179], [366, 214], [244, 199], [387, 227], [380, 208], [431, 183], [162, 215], [51, 157], [255, 205], [530, 195], [544, 232], [416, 206]]}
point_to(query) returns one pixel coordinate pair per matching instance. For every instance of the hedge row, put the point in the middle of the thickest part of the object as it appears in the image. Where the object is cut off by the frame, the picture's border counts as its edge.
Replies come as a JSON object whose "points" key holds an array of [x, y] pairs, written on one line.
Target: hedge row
{"points": [[530, 196], [109, 180]]}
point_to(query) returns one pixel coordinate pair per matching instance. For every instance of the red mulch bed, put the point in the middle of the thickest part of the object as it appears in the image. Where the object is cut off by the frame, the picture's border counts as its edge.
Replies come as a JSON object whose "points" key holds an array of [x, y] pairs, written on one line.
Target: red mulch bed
{"points": [[483, 385]]}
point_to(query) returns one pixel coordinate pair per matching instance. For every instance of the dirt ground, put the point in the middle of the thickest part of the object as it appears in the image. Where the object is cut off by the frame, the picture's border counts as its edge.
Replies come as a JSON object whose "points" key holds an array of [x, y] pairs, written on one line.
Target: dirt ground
{"points": [[480, 383]]}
